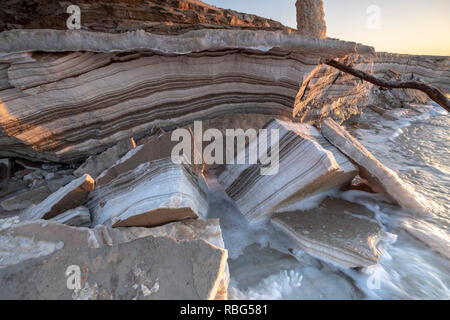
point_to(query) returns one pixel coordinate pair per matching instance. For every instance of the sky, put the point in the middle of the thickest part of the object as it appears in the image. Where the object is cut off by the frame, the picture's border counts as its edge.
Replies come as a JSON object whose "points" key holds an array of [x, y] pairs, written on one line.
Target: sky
{"points": [[401, 26]]}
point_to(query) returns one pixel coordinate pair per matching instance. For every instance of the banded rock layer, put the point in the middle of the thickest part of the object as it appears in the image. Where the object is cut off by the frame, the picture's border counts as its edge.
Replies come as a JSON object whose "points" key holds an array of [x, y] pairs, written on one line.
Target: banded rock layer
{"points": [[153, 194], [68, 106], [305, 168]]}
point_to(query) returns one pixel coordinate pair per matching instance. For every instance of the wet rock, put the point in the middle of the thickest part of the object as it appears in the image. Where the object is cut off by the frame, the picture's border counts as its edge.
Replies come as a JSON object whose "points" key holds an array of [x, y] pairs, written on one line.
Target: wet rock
{"points": [[380, 177], [95, 165], [337, 231], [308, 165], [429, 234], [78, 217], [26, 199], [93, 249], [153, 194], [68, 197]]}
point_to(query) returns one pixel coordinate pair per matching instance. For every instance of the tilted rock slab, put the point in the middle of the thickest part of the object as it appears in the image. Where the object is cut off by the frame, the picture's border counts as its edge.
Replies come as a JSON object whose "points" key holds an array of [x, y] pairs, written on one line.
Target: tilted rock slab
{"points": [[100, 88], [305, 168], [153, 194], [114, 263], [337, 231], [374, 171], [78, 217], [96, 164], [68, 197]]}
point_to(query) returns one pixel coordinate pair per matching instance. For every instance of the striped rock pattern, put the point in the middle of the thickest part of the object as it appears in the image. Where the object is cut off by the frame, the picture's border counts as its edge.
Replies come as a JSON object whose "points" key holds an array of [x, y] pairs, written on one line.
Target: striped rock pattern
{"points": [[305, 168], [155, 193], [70, 105]]}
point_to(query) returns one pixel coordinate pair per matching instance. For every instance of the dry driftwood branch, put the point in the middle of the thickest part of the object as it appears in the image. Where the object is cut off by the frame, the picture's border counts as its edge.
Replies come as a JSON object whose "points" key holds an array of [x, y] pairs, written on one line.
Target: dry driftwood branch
{"points": [[435, 94]]}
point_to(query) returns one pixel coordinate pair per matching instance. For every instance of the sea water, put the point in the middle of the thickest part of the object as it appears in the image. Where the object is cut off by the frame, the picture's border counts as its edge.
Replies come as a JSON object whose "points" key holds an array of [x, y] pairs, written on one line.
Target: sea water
{"points": [[266, 264]]}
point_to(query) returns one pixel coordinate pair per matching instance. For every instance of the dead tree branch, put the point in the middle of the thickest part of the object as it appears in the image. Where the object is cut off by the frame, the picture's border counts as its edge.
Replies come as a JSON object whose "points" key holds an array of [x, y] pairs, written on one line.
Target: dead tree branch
{"points": [[435, 94]]}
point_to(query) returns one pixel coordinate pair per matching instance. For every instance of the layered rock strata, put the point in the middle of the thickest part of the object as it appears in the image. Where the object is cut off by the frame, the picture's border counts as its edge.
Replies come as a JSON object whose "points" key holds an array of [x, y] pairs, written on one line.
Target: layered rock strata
{"points": [[305, 168], [380, 177], [95, 165], [84, 102], [195, 269], [337, 231], [153, 194]]}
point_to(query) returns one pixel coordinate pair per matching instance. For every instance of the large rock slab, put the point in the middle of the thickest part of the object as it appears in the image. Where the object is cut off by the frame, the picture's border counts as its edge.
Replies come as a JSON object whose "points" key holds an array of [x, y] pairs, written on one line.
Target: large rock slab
{"points": [[374, 171], [153, 194], [307, 165], [44, 239], [337, 231], [68, 197]]}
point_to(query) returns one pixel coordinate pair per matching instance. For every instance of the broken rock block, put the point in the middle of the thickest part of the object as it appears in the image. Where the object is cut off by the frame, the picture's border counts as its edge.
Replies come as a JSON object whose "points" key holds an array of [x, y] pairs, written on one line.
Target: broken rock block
{"points": [[78, 217], [308, 165], [95, 165], [337, 231], [199, 273], [379, 176], [68, 197], [153, 194]]}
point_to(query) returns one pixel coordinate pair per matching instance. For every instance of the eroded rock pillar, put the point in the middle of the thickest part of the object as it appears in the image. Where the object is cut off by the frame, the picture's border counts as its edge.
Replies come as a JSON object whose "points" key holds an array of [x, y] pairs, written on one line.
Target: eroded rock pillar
{"points": [[311, 18]]}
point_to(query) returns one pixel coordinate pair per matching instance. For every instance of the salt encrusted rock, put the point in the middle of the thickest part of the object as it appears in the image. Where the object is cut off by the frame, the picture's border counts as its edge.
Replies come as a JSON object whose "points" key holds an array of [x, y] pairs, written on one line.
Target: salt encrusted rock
{"points": [[337, 231], [78, 217], [153, 194], [36, 239], [379, 176], [68, 197], [311, 18], [305, 168], [26, 199], [429, 234], [95, 165]]}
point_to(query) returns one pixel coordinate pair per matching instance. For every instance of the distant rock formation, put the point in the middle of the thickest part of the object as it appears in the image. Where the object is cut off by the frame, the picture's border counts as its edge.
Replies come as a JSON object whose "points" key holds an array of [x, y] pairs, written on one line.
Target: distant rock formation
{"points": [[311, 18], [156, 16]]}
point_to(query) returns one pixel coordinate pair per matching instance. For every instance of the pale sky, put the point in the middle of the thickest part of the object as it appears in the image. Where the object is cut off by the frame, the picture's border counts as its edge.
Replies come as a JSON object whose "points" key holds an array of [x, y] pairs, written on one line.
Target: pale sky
{"points": [[405, 26]]}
